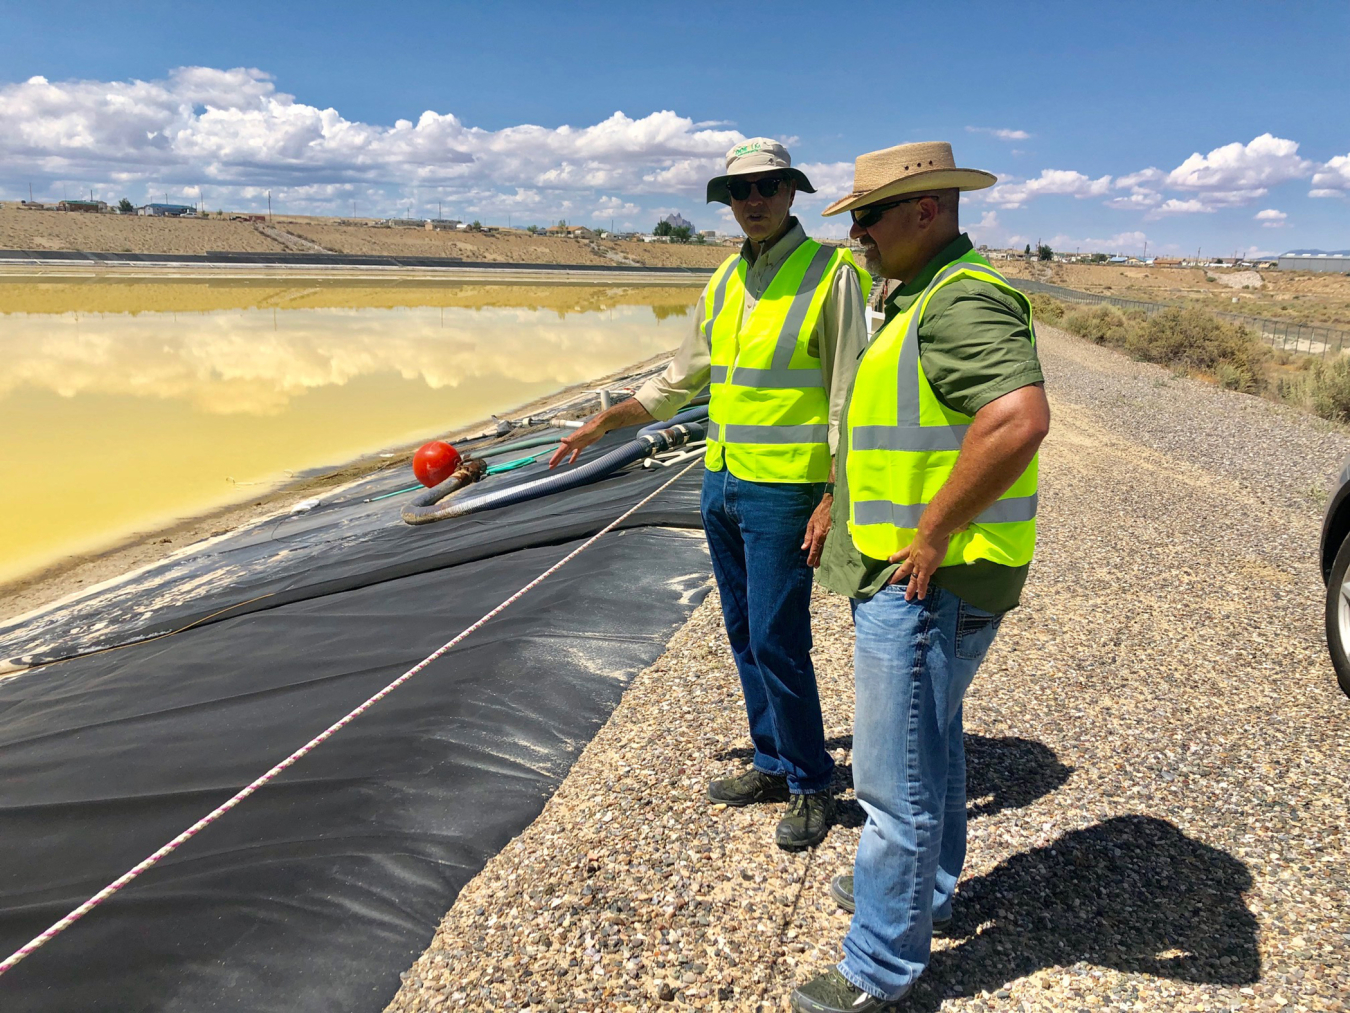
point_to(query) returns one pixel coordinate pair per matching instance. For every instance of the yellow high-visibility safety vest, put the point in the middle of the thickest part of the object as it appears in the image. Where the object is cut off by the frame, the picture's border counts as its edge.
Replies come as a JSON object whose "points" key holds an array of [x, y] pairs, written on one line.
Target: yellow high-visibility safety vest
{"points": [[904, 442], [769, 415]]}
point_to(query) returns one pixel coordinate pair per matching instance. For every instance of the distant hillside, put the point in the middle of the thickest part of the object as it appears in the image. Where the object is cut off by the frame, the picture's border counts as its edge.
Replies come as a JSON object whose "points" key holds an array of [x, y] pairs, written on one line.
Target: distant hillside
{"points": [[108, 233]]}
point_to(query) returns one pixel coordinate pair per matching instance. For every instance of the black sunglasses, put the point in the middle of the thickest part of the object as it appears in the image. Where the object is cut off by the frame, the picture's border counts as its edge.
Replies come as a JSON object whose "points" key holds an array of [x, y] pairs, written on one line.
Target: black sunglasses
{"points": [[868, 216], [740, 188]]}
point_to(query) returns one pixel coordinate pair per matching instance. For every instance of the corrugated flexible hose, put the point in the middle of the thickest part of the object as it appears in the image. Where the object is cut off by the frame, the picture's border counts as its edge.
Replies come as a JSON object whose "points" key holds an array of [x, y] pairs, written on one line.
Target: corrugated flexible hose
{"points": [[427, 508]]}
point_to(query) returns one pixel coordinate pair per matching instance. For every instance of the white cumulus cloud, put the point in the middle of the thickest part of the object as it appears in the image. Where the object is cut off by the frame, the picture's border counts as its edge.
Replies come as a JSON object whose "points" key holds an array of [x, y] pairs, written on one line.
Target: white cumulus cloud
{"points": [[1270, 218], [1181, 207], [1332, 179], [1002, 134], [1050, 181], [236, 135], [1264, 162]]}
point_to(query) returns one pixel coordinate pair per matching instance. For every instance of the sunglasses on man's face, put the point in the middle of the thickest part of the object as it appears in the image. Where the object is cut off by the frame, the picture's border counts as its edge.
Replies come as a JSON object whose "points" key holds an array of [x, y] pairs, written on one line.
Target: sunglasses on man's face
{"points": [[740, 188], [868, 216]]}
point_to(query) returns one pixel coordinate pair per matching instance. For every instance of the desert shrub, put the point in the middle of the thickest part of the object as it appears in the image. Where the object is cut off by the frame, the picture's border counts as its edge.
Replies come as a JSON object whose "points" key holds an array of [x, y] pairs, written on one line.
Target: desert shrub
{"points": [[1047, 308], [1103, 324], [1200, 340], [1230, 377], [1324, 389]]}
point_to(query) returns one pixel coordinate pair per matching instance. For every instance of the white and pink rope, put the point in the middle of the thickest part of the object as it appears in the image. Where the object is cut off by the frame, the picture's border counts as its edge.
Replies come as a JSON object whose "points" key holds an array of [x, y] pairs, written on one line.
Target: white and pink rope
{"points": [[215, 814]]}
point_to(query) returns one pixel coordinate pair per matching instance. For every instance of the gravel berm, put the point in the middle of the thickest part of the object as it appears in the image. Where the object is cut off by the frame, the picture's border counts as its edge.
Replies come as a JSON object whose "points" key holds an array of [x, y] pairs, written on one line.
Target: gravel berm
{"points": [[1158, 760]]}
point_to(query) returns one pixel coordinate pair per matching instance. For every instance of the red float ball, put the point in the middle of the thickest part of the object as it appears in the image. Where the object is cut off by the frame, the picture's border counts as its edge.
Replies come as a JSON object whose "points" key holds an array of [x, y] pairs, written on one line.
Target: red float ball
{"points": [[435, 462]]}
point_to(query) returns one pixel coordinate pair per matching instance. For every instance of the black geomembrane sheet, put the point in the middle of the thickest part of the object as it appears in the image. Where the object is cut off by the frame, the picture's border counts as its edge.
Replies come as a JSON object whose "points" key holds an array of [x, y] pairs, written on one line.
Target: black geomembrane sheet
{"points": [[317, 891]]}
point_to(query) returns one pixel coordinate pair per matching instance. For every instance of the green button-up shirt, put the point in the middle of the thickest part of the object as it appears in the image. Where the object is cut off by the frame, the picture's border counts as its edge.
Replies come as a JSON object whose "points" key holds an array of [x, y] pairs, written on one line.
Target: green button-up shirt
{"points": [[975, 346]]}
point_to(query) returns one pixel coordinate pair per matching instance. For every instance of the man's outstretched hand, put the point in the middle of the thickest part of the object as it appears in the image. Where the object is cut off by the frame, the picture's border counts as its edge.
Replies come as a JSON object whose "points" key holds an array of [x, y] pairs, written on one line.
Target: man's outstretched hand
{"points": [[578, 440], [625, 413]]}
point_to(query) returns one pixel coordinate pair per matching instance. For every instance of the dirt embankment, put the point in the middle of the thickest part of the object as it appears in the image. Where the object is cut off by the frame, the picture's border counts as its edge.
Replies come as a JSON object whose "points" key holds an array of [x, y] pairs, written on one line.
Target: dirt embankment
{"points": [[1300, 296], [59, 230]]}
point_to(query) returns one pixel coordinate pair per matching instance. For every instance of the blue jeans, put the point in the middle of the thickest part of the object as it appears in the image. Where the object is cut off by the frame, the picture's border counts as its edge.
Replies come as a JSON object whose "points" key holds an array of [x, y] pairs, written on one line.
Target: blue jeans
{"points": [[912, 664], [755, 532]]}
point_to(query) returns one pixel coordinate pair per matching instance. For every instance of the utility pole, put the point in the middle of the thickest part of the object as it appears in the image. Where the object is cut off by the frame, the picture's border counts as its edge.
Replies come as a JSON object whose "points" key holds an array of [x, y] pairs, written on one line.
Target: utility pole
{"points": [[438, 211], [1145, 249], [269, 205]]}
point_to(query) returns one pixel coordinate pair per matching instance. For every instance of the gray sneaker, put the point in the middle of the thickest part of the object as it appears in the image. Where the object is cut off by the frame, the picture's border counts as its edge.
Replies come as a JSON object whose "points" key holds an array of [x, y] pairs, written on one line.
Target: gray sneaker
{"points": [[807, 820], [833, 993], [841, 889], [749, 788]]}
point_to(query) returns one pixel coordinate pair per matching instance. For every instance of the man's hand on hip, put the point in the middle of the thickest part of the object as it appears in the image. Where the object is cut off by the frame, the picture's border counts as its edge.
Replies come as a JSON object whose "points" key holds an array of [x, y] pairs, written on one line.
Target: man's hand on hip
{"points": [[816, 530], [918, 560]]}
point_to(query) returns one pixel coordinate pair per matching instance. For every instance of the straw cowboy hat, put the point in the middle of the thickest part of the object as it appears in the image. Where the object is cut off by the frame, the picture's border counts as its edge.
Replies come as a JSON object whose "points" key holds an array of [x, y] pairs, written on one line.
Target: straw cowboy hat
{"points": [[758, 154], [908, 168]]}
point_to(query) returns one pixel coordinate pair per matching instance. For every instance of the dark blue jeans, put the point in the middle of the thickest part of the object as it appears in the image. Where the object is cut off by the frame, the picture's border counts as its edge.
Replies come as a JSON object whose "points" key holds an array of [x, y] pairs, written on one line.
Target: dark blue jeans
{"points": [[755, 532]]}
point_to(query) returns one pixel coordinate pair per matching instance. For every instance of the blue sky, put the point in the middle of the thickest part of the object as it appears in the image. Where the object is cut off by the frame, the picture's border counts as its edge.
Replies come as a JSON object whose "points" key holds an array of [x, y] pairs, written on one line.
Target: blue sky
{"points": [[1201, 125]]}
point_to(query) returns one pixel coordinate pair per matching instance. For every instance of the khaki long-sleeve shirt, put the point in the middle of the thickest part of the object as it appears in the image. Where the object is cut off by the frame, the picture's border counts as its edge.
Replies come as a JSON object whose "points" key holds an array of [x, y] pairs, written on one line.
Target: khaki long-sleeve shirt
{"points": [[838, 340]]}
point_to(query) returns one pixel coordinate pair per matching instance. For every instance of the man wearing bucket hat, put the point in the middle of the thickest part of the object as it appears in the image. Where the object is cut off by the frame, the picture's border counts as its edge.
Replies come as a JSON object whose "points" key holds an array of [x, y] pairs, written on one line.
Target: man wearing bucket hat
{"points": [[934, 524], [777, 335]]}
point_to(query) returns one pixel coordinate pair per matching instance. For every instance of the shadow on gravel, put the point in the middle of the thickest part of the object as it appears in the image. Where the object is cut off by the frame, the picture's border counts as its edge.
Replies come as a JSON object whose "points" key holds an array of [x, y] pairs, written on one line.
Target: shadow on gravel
{"points": [[1131, 893], [1001, 773]]}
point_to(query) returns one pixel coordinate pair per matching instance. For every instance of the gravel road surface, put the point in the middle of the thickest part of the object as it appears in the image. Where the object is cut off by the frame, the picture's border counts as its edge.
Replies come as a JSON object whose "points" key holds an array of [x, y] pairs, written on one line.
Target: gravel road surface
{"points": [[1158, 756]]}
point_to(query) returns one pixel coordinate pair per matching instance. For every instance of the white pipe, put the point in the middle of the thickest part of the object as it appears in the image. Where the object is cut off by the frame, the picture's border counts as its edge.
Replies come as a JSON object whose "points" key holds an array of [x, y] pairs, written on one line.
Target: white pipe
{"points": [[666, 460]]}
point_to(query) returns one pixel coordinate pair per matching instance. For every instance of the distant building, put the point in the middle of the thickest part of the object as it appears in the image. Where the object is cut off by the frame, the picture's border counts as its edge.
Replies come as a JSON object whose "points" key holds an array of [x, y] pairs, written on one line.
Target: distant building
{"points": [[677, 221], [166, 210], [92, 207], [442, 224], [1335, 262], [579, 232]]}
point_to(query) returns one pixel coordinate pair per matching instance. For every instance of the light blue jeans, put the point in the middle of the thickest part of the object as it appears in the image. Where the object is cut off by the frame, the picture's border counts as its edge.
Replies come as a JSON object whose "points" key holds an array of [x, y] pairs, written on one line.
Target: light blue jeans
{"points": [[912, 664]]}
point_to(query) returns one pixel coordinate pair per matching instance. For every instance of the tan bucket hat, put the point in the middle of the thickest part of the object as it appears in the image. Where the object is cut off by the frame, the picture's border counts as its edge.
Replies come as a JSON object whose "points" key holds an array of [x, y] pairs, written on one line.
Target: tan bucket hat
{"points": [[758, 154], [908, 168]]}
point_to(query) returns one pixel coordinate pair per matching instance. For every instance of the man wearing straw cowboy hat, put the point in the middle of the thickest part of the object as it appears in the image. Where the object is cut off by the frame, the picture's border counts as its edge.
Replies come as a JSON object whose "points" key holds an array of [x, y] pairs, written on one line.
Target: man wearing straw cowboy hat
{"points": [[777, 335], [934, 524]]}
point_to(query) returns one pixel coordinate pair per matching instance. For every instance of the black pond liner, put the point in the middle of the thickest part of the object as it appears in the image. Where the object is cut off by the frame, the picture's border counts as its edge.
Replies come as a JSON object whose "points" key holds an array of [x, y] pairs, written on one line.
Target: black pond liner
{"points": [[318, 890]]}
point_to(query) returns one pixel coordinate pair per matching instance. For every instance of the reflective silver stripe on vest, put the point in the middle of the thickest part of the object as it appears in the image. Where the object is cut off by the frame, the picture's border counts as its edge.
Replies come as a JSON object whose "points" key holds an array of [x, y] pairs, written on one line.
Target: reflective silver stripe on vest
{"points": [[769, 434], [719, 374], [906, 515], [719, 297], [907, 393], [906, 437], [745, 377], [801, 302]]}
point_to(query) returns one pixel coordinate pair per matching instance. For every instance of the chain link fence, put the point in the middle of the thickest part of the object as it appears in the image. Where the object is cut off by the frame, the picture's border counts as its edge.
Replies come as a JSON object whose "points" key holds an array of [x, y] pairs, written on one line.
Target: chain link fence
{"points": [[1309, 339]]}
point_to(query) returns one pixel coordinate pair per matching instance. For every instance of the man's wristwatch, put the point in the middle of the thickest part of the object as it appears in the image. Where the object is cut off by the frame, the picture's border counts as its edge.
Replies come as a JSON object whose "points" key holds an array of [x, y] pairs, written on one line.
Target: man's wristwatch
{"points": [[829, 488]]}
